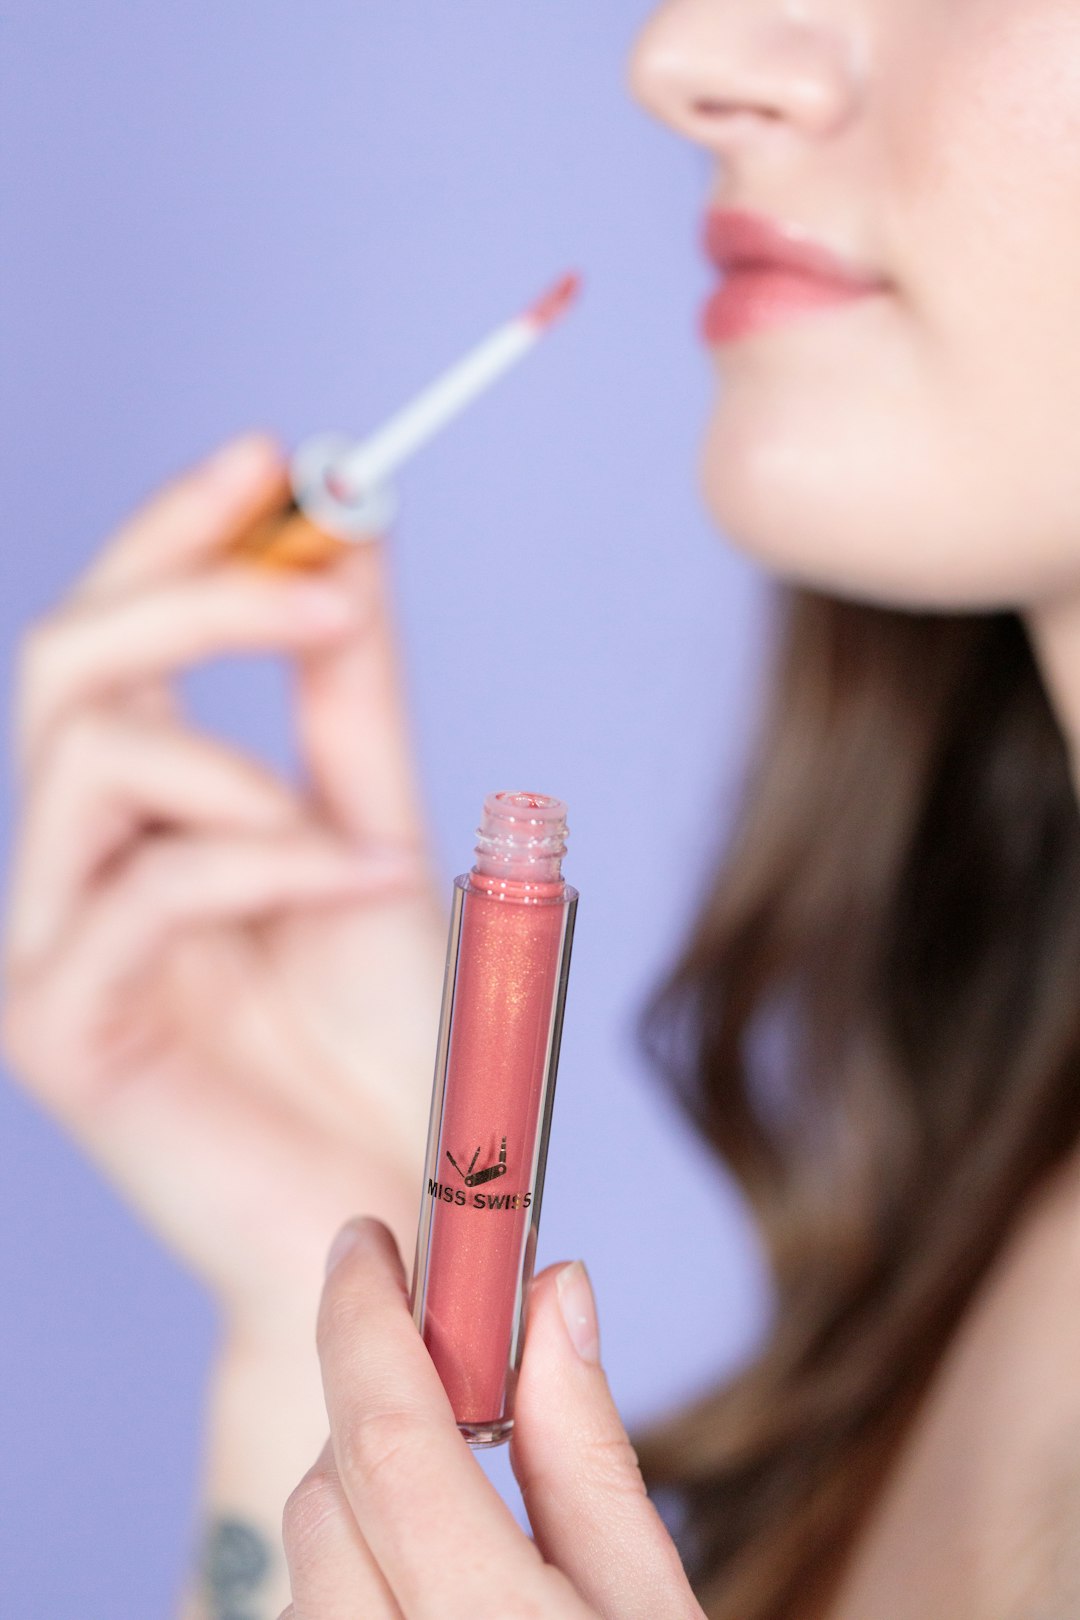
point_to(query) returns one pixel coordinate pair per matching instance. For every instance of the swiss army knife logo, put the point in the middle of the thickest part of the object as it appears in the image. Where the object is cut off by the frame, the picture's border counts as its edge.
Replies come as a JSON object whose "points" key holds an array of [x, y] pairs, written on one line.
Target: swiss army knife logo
{"points": [[490, 1174]]}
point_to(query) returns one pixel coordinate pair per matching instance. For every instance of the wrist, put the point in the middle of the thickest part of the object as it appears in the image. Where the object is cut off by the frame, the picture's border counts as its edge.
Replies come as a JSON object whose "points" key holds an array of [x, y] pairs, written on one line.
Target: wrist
{"points": [[265, 1425], [269, 1313], [267, 1343]]}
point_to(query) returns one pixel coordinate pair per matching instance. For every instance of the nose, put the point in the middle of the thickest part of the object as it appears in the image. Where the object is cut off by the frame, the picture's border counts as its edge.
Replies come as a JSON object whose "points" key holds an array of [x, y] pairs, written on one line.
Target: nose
{"points": [[727, 72]]}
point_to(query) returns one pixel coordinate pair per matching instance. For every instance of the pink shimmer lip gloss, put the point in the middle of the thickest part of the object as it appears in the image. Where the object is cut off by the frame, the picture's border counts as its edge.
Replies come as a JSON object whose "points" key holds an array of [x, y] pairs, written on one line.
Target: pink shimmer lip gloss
{"points": [[504, 991]]}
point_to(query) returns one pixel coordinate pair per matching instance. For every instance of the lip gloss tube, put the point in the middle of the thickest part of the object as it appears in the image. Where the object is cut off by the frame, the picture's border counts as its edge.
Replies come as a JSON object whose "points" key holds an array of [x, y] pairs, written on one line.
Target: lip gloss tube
{"points": [[504, 991]]}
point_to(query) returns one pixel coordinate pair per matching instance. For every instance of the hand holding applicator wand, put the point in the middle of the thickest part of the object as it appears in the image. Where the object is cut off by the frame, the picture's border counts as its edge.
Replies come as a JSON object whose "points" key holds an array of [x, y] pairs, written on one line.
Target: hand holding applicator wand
{"points": [[340, 492]]}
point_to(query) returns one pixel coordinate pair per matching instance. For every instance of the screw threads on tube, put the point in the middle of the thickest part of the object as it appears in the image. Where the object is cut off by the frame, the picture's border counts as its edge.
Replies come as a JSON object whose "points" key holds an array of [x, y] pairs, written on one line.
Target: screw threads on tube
{"points": [[522, 837]]}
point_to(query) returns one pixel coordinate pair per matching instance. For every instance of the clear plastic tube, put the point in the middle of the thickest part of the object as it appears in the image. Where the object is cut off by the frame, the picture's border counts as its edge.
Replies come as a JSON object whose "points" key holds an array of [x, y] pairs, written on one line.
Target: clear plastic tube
{"points": [[504, 991]]}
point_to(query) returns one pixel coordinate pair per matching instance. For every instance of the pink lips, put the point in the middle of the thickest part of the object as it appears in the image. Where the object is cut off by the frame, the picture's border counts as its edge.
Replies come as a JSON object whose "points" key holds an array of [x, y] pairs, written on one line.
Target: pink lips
{"points": [[772, 275]]}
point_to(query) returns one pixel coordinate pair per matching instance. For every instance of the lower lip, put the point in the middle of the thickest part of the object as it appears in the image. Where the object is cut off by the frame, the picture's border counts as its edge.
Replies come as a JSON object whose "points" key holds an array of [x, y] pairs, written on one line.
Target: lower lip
{"points": [[755, 296]]}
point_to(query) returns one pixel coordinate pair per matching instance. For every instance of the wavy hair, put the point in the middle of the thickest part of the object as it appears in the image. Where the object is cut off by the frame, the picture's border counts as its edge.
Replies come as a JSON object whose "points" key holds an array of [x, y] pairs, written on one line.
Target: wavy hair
{"points": [[874, 1022]]}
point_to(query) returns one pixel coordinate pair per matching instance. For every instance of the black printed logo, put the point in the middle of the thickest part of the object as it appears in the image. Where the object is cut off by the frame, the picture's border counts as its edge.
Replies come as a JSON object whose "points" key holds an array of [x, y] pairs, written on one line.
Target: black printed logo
{"points": [[493, 1170]]}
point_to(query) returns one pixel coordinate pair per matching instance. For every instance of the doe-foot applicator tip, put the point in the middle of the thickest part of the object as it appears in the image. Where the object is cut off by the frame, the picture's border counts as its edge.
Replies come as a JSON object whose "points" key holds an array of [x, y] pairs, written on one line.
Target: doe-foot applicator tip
{"points": [[555, 302]]}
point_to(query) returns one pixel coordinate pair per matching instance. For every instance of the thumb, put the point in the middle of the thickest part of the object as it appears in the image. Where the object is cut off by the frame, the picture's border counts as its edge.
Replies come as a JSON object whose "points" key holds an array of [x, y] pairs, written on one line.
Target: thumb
{"points": [[578, 1473]]}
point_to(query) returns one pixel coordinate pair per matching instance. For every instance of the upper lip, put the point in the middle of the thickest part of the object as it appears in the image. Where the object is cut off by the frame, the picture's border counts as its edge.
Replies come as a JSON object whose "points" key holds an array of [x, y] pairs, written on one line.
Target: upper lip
{"points": [[734, 236]]}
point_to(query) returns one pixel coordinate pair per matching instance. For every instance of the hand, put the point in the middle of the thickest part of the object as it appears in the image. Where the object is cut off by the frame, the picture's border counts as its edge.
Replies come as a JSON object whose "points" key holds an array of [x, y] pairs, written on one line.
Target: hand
{"points": [[214, 979], [397, 1521]]}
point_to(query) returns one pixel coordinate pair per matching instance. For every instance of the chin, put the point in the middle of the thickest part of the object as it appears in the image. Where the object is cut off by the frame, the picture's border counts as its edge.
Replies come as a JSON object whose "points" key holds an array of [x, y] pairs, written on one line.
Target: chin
{"points": [[815, 523]]}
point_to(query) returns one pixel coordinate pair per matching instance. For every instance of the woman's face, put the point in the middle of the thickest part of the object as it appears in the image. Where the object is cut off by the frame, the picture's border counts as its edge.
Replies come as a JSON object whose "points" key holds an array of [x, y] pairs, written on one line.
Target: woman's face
{"points": [[920, 446]]}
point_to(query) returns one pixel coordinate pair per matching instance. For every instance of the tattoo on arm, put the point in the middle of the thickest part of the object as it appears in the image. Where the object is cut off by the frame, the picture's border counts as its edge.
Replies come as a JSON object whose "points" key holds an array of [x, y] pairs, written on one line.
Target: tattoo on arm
{"points": [[236, 1562]]}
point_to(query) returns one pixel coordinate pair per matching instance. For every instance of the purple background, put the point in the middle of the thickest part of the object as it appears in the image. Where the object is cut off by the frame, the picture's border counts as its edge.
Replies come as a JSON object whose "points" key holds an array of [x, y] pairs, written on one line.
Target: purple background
{"points": [[292, 215]]}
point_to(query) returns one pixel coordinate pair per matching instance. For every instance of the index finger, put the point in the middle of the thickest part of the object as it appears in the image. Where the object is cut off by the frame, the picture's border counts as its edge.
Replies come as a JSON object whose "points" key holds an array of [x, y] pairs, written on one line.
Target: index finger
{"points": [[192, 516], [445, 1540]]}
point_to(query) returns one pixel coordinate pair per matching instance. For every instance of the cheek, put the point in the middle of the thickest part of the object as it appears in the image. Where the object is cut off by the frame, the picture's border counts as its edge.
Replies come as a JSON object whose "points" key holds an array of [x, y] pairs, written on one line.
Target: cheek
{"points": [[986, 176], [922, 450], [843, 476]]}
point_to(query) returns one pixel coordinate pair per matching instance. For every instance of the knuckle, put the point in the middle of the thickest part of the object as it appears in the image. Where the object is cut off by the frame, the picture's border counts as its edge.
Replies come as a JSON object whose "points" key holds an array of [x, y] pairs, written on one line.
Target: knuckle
{"points": [[382, 1445], [157, 878], [308, 1511], [615, 1464], [609, 1464]]}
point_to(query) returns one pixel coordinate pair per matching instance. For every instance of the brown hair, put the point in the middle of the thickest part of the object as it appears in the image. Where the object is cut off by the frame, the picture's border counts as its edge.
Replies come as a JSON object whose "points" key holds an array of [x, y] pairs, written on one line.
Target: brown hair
{"points": [[874, 1022]]}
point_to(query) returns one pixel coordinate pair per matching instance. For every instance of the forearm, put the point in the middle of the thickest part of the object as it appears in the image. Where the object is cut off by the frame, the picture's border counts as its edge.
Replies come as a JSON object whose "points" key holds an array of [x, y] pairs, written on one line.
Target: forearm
{"points": [[266, 1424]]}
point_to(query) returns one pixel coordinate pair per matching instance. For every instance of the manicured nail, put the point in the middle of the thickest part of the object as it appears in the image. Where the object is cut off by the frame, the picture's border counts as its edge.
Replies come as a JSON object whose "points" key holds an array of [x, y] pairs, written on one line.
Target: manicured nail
{"points": [[236, 463], [320, 607], [579, 1310], [343, 1244]]}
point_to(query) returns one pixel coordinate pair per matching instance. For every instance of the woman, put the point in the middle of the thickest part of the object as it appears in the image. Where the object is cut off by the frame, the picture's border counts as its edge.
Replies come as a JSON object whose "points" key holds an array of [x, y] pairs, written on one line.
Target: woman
{"points": [[873, 1019]]}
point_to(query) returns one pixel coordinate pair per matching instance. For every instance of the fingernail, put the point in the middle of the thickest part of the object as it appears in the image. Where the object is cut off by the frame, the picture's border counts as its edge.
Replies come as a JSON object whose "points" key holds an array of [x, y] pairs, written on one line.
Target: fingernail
{"points": [[578, 1308], [343, 1244], [320, 607], [236, 464]]}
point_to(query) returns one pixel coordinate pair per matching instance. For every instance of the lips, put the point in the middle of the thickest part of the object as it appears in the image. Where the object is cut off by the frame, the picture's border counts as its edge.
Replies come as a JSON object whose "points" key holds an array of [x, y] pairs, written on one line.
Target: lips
{"points": [[772, 273], [734, 239]]}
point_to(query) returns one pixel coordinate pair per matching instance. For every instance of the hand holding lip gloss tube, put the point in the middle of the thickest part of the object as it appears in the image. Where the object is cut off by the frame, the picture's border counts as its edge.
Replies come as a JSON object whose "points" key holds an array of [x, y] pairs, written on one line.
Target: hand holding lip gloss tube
{"points": [[504, 991], [339, 492]]}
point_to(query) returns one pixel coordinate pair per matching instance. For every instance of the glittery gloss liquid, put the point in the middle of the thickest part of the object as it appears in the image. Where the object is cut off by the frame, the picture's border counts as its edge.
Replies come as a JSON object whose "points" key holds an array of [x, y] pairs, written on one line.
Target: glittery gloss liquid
{"points": [[511, 928]]}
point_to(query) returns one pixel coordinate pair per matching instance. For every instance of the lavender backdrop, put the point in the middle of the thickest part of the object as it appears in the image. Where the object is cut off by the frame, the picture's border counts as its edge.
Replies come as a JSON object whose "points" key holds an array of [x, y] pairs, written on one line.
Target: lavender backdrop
{"points": [[228, 214]]}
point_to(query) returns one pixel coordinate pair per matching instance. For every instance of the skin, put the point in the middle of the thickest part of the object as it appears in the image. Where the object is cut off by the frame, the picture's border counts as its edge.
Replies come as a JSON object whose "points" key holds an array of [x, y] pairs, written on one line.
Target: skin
{"points": [[160, 876], [897, 450], [396, 1476], [914, 450]]}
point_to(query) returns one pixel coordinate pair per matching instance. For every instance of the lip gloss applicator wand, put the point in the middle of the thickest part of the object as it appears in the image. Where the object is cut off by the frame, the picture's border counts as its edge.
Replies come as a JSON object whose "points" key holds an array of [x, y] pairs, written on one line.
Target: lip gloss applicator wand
{"points": [[339, 491]]}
